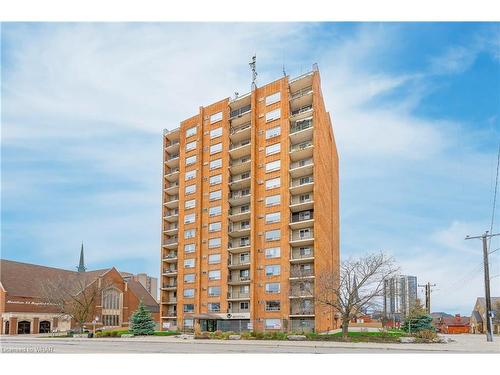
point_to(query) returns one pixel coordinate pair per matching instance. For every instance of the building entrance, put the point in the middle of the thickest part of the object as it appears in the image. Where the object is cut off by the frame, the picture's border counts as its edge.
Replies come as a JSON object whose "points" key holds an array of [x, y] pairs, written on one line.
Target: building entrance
{"points": [[208, 325], [7, 327], [44, 326], [23, 328]]}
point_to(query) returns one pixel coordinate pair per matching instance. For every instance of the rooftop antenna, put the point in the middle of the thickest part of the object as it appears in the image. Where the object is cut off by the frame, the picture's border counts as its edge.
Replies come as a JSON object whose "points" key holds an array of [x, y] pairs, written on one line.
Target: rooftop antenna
{"points": [[253, 66], [236, 94], [284, 71]]}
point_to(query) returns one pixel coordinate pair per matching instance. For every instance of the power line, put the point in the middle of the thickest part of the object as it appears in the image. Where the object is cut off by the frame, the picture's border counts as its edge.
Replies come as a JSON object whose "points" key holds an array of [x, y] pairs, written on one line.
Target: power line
{"points": [[494, 196]]}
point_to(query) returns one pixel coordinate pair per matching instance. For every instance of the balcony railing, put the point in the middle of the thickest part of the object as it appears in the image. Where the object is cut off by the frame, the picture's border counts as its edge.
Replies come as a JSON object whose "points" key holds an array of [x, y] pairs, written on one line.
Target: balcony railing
{"points": [[235, 228], [232, 245], [235, 278], [240, 128], [172, 143], [239, 194], [302, 125], [240, 111], [238, 261], [301, 146], [297, 235], [169, 270], [233, 146], [169, 285], [171, 227], [172, 212], [173, 198], [298, 217], [234, 211], [302, 181], [240, 162], [302, 92], [172, 185], [296, 253], [173, 156], [301, 163], [172, 255], [237, 294], [171, 241], [171, 170], [302, 110]]}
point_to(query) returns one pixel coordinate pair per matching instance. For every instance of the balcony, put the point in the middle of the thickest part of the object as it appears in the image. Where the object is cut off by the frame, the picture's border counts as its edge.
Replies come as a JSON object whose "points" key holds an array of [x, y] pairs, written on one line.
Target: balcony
{"points": [[237, 229], [172, 215], [301, 151], [172, 202], [172, 160], [240, 133], [301, 131], [169, 271], [240, 166], [172, 174], [240, 197], [171, 229], [172, 188], [239, 261], [302, 168], [169, 314], [240, 111], [170, 301], [301, 82], [302, 237], [170, 257], [239, 213], [240, 182], [302, 255], [302, 219], [240, 149], [301, 202], [169, 286], [302, 185], [172, 147], [236, 295], [236, 279], [301, 98], [301, 113], [237, 247], [302, 272], [171, 243]]}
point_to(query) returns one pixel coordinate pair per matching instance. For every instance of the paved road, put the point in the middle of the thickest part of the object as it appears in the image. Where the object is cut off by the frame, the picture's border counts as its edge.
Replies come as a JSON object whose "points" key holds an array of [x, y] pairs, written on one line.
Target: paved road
{"points": [[31, 344]]}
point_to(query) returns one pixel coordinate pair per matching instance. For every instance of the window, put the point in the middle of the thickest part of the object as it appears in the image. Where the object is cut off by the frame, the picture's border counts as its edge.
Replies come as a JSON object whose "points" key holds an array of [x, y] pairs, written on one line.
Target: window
{"points": [[188, 308], [273, 166], [214, 242], [273, 270], [273, 200], [244, 274], [190, 175], [243, 305], [305, 198], [214, 195], [214, 133], [214, 211], [272, 323], [273, 217], [273, 149], [305, 233], [305, 251], [190, 160], [273, 305], [270, 99], [273, 235], [214, 307], [190, 204], [215, 148], [273, 115], [110, 299], [189, 219], [188, 263], [189, 277], [189, 248], [189, 233], [273, 183], [244, 258], [190, 189], [273, 252], [188, 323], [272, 287], [217, 179], [214, 258], [190, 146], [216, 117], [214, 227], [214, 164], [244, 289], [273, 132], [214, 291], [190, 131], [214, 275], [188, 293]]}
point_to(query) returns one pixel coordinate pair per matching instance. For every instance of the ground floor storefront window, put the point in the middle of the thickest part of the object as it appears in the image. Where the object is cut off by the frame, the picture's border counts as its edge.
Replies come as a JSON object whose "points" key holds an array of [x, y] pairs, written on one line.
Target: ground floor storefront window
{"points": [[23, 327]]}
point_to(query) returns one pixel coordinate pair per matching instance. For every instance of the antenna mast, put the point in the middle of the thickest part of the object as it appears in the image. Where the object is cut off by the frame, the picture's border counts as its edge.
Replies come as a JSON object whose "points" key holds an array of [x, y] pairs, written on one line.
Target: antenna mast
{"points": [[253, 66]]}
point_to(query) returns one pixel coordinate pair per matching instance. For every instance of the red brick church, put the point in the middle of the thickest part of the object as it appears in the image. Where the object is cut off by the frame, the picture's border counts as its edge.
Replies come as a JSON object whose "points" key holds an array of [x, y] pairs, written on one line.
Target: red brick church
{"points": [[27, 308]]}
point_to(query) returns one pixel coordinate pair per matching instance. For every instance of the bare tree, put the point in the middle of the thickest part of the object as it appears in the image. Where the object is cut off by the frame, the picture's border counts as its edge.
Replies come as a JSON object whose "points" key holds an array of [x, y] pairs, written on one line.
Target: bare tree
{"points": [[76, 297], [356, 287]]}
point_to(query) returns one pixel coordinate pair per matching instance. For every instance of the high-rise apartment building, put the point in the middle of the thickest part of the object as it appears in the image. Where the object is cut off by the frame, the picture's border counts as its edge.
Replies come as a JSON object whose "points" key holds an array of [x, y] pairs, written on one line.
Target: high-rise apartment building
{"points": [[250, 212], [400, 295]]}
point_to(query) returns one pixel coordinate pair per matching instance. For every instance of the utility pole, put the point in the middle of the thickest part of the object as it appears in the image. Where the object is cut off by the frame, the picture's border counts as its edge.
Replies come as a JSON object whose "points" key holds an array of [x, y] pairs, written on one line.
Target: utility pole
{"points": [[484, 237], [427, 296]]}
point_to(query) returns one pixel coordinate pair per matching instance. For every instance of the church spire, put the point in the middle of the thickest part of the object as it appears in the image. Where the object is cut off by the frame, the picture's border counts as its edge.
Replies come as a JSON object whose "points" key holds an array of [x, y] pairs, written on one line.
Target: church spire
{"points": [[81, 266]]}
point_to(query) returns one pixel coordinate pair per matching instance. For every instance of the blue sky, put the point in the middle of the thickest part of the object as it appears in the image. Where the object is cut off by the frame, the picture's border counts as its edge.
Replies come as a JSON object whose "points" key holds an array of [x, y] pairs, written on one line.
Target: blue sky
{"points": [[415, 108]]}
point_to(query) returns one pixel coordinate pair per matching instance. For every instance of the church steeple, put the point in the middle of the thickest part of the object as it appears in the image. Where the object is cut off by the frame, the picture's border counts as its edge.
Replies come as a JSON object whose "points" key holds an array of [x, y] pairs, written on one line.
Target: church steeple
{"points": [[81, 266]]}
